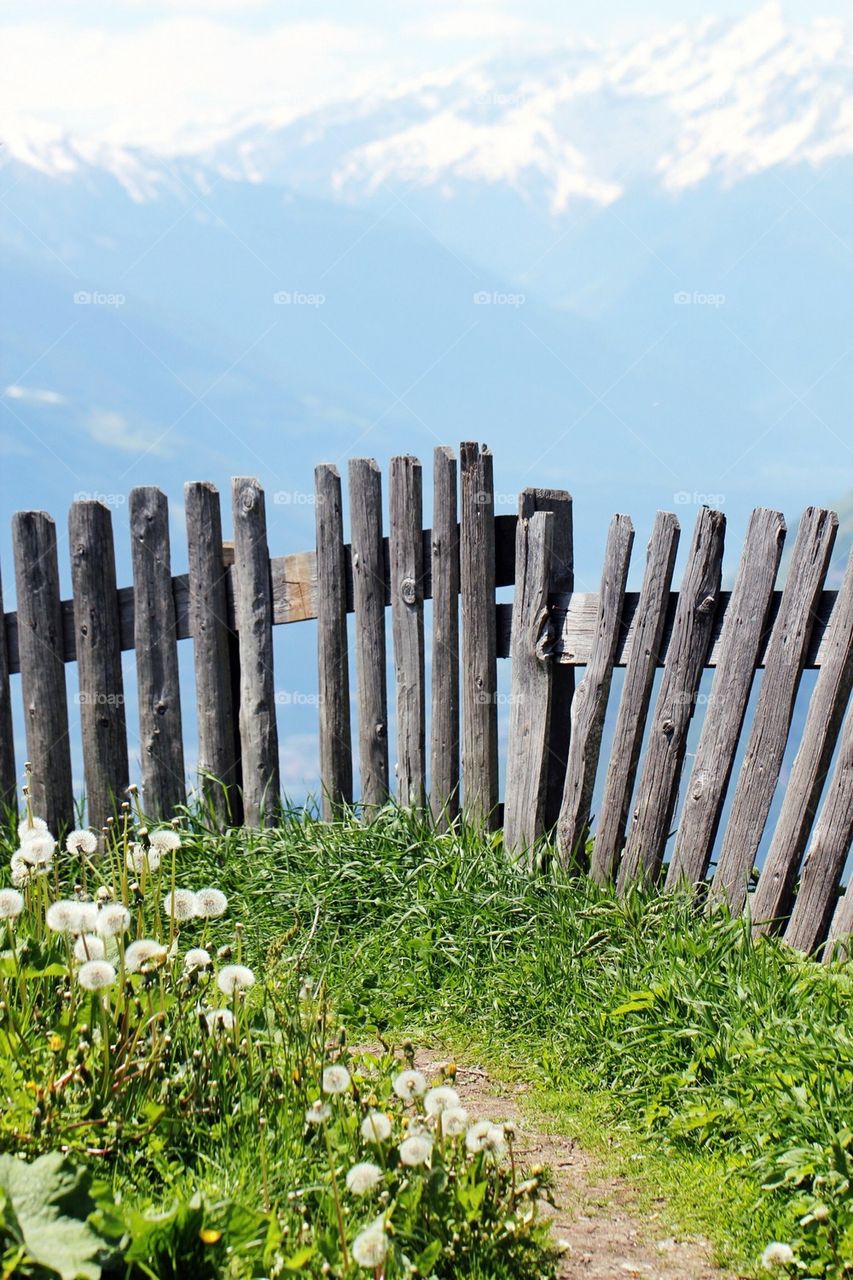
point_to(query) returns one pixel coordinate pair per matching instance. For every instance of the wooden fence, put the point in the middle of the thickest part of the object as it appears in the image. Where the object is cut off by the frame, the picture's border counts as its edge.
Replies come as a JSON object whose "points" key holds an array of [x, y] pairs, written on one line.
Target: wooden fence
{"points": [[234, 593]]}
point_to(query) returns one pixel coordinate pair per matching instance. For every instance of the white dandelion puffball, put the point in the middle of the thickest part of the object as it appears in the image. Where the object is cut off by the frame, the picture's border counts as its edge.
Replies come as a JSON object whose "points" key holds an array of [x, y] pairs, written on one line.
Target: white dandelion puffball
{"points": [[164, 840], [442, 1098], [138, 858], [89, 947], [210, 903], [38, 849], [63, 916], [94, 975], [777, 1255], [220, 1020], [113, 920], [144, 951], [179, 905], [409, 1085], [415, 1150], [375, 1127], [336, 1079], [370, 1246], [21, 870], [363, 1178], [11, 904], [87, 917], [318, 1112], [81, 841], [29, 827], [485, 1136], [454, 1121], [234, 977], [197, 958]]}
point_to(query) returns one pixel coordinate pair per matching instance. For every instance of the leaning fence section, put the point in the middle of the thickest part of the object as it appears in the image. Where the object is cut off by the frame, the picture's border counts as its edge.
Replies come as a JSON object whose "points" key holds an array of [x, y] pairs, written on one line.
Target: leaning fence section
{"points": [[235, 593]]}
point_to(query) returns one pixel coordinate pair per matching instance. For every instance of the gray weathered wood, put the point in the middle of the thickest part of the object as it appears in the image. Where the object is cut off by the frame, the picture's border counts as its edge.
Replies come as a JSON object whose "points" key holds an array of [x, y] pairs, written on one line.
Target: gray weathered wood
{"points": [[562, 579], [827, 706], [407, 615], [40, 643], [530, 701], [368, 588], [332, 644], [590, 701], [744, 632], [253, 617], [218, 732], [156, 644], [444, 759], [771, 722], [657, 792], [636, 695], [829, 846], [479, 671], [839, 943], [8, 777], [99, 675]]}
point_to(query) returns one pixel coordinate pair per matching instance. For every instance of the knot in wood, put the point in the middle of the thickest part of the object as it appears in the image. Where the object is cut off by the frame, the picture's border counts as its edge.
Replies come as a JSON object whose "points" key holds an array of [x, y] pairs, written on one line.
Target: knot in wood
{"points": [[380, 730], [706, 605], [409, 590], [667, 728]]}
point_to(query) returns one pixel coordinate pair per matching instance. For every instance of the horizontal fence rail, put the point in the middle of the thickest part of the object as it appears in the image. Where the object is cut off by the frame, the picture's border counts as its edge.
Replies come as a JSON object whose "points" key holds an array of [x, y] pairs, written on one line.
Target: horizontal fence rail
{"points": [[235, 593]]}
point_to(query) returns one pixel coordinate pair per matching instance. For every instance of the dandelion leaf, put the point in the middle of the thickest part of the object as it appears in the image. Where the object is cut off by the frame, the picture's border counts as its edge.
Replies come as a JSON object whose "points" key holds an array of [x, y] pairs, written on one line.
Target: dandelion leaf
{"points": [[47, 1206]]}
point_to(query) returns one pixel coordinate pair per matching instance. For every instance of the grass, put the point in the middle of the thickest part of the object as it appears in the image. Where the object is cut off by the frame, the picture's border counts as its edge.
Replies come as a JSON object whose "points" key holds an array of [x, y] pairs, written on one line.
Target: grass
{"points": [[712, 1071]]}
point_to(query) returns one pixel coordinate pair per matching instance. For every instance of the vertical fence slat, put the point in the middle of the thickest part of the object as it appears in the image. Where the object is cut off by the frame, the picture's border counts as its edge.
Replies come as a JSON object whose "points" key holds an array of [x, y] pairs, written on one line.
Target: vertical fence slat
{"points": [[479, 674], [156, 645], [8, 777], [368, 587], [783, 666], [591, 696], [98, 642], [636, 696], [444, 760], [744, 631], [828, 848], [218, 741], [530, 702], [332, 644], [826, 711], [40, 648], [685, 662], [562, 580], [407, 616], [253, 620], [840, 938]]}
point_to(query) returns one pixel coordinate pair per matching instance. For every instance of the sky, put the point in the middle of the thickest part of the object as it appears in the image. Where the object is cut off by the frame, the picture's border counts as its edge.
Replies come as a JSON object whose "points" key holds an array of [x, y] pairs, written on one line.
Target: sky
{"points": [[170, 73]]}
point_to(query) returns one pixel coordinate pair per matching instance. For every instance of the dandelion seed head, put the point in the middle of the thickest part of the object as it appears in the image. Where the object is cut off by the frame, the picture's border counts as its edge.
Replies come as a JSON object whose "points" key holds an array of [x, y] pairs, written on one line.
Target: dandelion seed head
{"points": [[210, 903], [21, 871], [89, 947], [82, 841], [370, 1246], [336, 1079], [138, 857], [197, 958], [87, 917], [145, 951], [219, 1020], [415, 1149], [164, 840], [38, 850], [11, 904], [63, 916], [234, 977], [27, 828], [179, 905], [442, 1098], [409, 1085], [94, 975], [454, 1121], [318, 1112], [363, 1178], [375, 1127], [113, 920], [485, 1136], [777, 1255]]}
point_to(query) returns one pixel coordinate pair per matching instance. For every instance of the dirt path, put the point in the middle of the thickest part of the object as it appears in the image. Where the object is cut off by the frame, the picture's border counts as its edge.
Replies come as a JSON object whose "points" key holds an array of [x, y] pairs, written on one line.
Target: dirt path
{"points": [[596, 1217]]}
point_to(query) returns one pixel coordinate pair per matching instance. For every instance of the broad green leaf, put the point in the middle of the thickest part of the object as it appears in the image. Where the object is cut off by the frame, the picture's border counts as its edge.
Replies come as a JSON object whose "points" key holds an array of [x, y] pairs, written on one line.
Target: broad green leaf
{"points": [[50, 1202]]}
